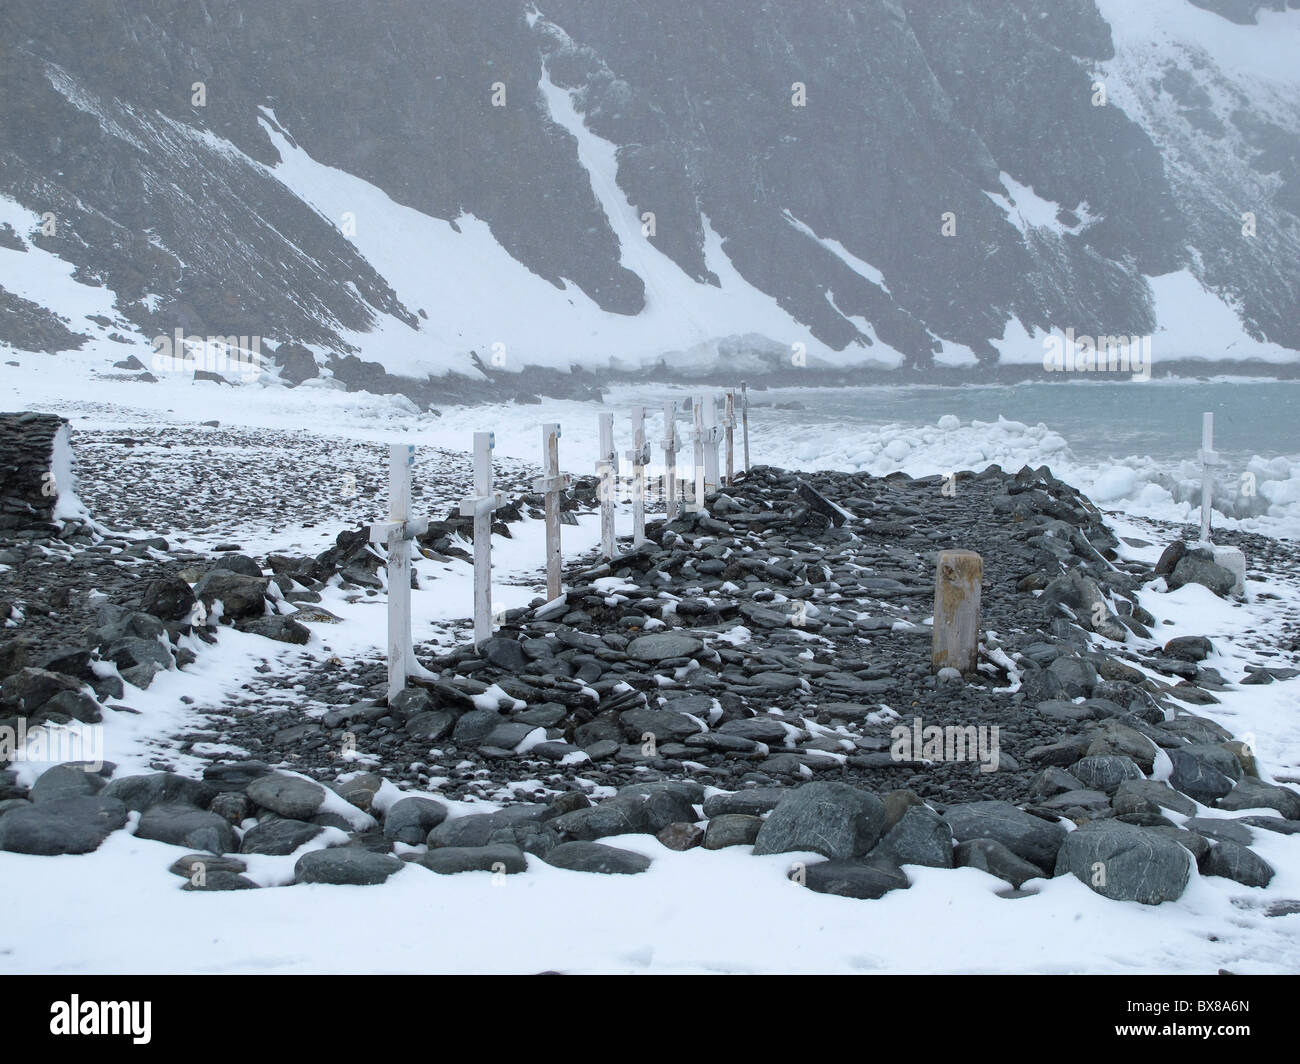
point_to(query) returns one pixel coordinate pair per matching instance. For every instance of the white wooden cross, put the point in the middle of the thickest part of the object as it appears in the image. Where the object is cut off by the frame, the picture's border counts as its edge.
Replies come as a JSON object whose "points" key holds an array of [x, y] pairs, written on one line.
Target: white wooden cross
{"points": [[551, 484], [712, 437], [395, 536], [639, 458], [480, 506], [697, 439], [607, 472], [670, 444], [729, 423], [744, 418], [1208, 460]]}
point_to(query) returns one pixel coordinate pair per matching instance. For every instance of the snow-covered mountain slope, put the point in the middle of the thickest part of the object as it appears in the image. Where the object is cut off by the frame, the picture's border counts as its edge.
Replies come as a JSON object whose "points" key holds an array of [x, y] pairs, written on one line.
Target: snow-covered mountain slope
{"points": [[454, 186]]}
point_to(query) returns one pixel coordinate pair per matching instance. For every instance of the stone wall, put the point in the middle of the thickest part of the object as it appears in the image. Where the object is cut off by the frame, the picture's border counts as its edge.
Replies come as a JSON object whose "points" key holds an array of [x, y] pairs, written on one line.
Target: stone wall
{"points": [[28, 491]]}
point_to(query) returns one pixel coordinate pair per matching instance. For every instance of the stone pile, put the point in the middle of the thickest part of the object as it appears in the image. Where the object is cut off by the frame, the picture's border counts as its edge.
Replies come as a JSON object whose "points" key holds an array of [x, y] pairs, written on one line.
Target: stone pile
{"points": [[738, 680]]}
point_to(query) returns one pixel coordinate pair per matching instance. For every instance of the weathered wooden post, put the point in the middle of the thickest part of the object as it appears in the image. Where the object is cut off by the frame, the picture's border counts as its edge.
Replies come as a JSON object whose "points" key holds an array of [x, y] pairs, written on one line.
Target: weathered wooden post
{"points": [[712, 437], [551, 484], [957, 610], [729, 423], [744, 418], [639, 457], [480, 506], [697, 438], [670, 459], [1208, 461], [607, 472], [395, 536]]}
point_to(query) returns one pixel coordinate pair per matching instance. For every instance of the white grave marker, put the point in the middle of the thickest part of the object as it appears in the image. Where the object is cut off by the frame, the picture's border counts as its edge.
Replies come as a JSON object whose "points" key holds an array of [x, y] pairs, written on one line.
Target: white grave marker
{"points": [[744, 419], [395, 536], [639, 457], [712, 437], [607, 472], [729, 424], [697, 438], [670, 445], [1208, 460], [551, 485], [480, 506]]}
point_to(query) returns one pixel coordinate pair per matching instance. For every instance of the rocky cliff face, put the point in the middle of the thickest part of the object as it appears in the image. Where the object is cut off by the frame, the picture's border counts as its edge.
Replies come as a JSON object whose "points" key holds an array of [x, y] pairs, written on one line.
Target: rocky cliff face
{"points": [[821, 146]]}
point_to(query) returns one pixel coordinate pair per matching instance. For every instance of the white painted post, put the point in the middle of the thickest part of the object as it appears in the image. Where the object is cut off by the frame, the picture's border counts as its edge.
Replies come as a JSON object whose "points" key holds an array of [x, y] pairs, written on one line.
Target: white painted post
{"points": [[480, 506], [729, 423], [639, 457], [607, 472], [744, 418], [670, 458], [395, 536], [712, 437], [697, 437], [551, 484], [1208, 461]]}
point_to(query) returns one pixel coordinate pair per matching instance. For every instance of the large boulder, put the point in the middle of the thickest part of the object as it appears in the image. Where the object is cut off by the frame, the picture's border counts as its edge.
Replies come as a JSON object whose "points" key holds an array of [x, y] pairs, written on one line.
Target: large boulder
{"points": [[1204, 772], [832, 819], [1199, 567], [141, 792], [186, 825], [169, 598], [61, 825], [411, 819], [26, 690], [1234, 861], [920, 837], [240, 596], [989, 855], [1250, 793], [1125, 863], [1029, 837]]}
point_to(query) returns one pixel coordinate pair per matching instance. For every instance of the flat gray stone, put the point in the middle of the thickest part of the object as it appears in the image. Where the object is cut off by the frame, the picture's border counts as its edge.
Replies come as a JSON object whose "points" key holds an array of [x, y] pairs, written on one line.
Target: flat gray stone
{"points": [[660, 646], [595, 857], [345, 865], [278, 836], [291, 797], [865, 878], [451, 860]]}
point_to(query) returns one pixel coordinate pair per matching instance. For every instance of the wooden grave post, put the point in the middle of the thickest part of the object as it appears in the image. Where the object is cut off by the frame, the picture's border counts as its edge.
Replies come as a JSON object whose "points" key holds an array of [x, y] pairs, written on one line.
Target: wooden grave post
{"points": [[480, 506], [552, 484]]}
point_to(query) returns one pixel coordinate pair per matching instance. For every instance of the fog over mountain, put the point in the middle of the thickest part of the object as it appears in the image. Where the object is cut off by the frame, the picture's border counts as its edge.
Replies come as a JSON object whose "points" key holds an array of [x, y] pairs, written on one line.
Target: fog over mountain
{"points": [[744, 183]]}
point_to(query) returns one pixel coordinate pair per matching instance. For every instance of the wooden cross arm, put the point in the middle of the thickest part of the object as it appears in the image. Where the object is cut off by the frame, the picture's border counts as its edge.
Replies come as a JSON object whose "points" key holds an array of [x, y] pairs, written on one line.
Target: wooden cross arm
{"points": [[559, 482], [639, 457], [382, 531], [477, 505], [1209, 458]]}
